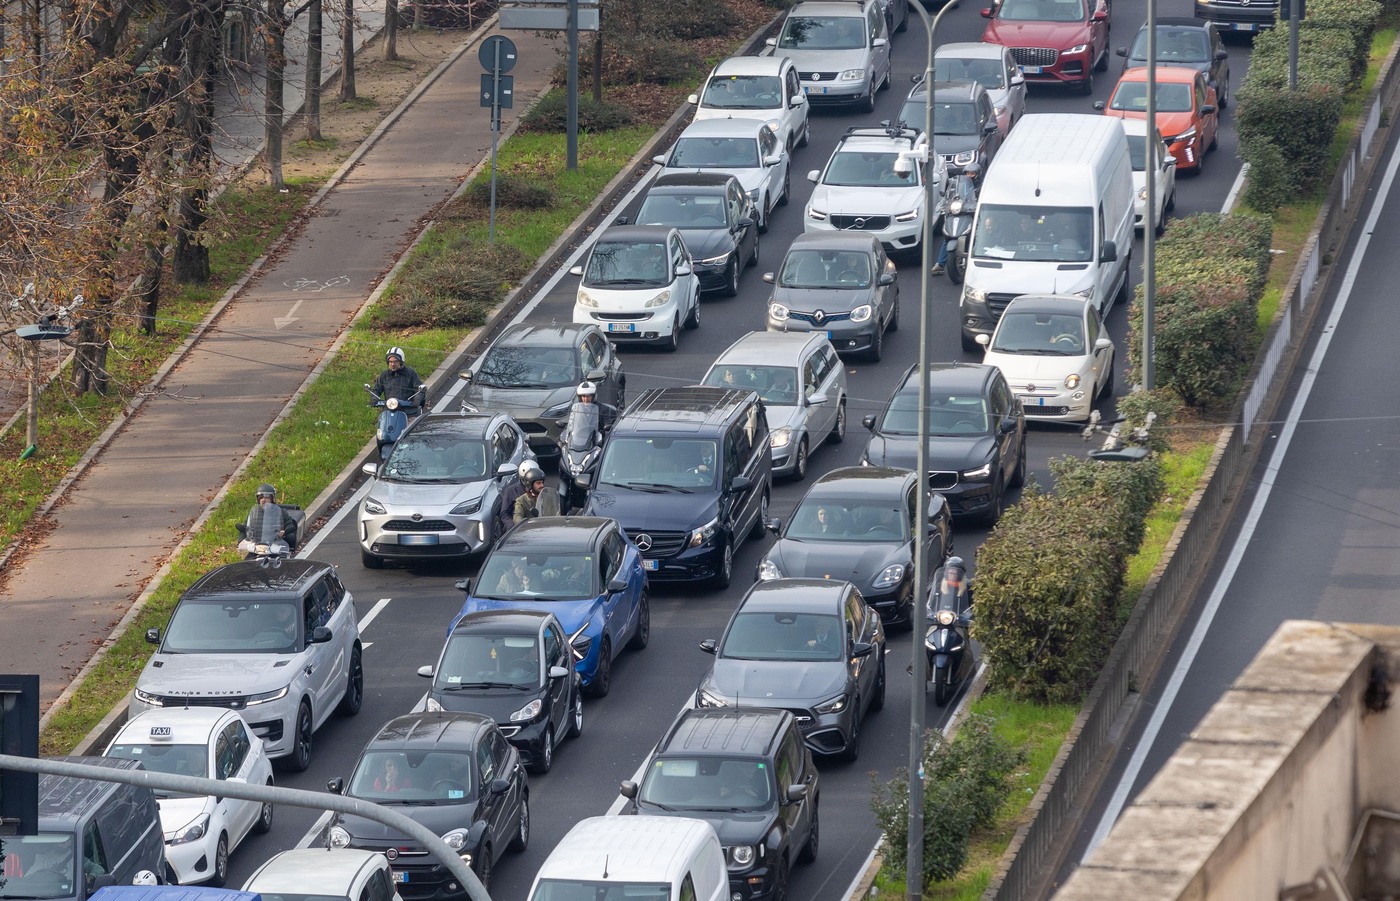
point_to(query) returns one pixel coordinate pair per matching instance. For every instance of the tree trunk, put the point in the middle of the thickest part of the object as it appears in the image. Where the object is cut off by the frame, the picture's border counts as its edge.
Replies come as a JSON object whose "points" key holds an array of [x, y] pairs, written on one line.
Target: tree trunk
{"points": [[148, 297], [311, 108], [347, 53], [391, 29], [273, 110], [190, 261]]}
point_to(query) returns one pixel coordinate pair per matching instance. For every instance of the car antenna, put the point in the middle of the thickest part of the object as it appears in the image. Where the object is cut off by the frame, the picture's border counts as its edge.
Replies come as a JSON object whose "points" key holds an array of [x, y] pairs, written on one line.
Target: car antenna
{"points": [[605, 866], [1037, 179]]}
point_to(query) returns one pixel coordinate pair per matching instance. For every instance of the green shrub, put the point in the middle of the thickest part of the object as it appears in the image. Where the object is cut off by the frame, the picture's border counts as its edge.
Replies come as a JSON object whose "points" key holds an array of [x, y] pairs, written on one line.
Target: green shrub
{"points": [[1299, 123], [1357, 18], [1269, 184], [1325, 57], [512, 192], [551, 114], [457, 289], [1135, 406]]}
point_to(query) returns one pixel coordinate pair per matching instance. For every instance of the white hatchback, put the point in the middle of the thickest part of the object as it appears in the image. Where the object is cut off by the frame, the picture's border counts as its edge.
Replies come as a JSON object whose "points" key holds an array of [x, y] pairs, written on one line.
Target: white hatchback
{"points": [[212, 743], [765, 87], [1055, 354], [1136, 130], [639, 285], [325, 874], [746, 149]]}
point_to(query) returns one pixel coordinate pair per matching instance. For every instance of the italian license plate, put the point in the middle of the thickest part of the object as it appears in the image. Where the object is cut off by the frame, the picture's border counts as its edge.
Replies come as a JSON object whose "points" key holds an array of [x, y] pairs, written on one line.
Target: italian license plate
{"points": [[651, 565], [813, 89], [400, 876], [1032, 70], [1029, 401], [418, 540], [622, 327], [830, 336], [1244, 26]]}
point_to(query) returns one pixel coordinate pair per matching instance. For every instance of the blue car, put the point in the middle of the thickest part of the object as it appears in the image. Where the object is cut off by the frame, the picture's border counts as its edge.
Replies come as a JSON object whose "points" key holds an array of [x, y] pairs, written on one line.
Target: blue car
{"points": [[585, 571]]}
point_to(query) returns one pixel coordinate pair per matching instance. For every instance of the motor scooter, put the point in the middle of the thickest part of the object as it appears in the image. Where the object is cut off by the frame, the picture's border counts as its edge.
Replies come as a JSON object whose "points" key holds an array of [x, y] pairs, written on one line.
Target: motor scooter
{"points": [[270, 546], [960, 202], [951, 658], [393, 418], [580, 449]]}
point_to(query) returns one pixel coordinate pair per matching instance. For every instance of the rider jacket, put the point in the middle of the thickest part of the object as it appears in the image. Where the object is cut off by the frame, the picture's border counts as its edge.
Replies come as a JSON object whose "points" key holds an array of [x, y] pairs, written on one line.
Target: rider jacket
{"points": [[403, 384], [265, 521], [546, 504]]}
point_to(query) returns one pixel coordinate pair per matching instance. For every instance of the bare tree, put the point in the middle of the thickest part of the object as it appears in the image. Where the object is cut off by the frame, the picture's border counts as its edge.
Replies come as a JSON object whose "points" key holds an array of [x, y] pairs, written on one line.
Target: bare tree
{"points": [[311, 107], [391, 29], [275, 39], [347, 52]]}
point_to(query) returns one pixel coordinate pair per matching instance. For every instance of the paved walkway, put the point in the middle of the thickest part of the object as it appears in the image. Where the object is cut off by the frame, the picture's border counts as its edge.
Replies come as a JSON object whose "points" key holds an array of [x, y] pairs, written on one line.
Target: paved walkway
{"points": [[118, 523]]}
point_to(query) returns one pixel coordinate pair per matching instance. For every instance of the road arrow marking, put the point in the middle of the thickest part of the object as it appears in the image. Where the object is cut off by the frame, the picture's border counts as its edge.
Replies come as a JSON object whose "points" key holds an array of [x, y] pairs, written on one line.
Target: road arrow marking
{"points": [[283, 321]]}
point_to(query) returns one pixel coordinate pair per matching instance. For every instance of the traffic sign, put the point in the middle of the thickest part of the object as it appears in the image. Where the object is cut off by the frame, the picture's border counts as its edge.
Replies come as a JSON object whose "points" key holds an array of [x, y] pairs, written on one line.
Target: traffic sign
{"points": [[497, 50], [506, 100], [546, 18]]}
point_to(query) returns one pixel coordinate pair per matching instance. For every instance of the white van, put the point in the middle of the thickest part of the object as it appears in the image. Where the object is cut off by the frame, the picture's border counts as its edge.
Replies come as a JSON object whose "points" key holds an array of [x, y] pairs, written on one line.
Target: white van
{"points": [[637, 858], [1054, 216]]}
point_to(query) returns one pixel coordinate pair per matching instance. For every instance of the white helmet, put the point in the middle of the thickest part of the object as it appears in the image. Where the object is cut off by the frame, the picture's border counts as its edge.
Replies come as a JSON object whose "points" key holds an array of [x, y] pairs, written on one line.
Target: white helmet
{"points": [[145, 877], [524, 469], [395, 352], [587, 389]]}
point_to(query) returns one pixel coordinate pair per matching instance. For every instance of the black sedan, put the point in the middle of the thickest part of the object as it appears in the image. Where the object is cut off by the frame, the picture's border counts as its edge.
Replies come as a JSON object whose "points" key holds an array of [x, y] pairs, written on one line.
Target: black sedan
{"points": [[454, 773], [811, 646], [857, 524], [839, 282], [515, 667], [716, 218]]}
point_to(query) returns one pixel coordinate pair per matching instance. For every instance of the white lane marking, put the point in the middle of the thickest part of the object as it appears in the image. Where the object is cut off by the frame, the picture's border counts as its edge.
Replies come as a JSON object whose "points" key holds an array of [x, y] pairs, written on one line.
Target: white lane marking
{"points": [[373, 612], [1246, 534], [335, 520]]}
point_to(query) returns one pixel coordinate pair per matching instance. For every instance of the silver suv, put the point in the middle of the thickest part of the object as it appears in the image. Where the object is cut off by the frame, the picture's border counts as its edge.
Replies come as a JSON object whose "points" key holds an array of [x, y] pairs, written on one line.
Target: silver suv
{"points": [[841, 49]]}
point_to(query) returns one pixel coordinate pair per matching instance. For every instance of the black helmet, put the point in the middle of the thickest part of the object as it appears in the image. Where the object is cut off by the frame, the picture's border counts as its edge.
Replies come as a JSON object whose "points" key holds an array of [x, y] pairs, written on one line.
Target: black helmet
{"points": [[955, 563], [266, 490], [531, 472]]}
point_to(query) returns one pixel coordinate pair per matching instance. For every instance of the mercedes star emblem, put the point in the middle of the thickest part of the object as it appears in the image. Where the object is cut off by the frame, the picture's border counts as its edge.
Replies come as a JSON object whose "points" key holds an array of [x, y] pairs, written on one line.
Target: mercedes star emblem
{"points": [[643, 542]]}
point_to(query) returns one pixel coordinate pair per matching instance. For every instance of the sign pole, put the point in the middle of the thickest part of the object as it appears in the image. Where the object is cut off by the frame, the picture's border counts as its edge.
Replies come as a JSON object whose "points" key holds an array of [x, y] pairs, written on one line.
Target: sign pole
{"points": [[572, 87]]}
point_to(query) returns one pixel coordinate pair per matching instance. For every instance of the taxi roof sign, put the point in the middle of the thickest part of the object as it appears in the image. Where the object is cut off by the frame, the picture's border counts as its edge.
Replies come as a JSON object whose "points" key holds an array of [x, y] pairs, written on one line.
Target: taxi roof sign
{"points": [[160, 732]]}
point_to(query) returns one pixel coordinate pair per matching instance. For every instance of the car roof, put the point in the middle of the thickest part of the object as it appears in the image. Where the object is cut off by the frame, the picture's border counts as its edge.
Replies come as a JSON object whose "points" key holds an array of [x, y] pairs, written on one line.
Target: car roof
{"points": [[555, 334], [1048, 303], [70, 797], [772, 348], [955, 376], [726, 127], [325, 868], [553, 531], [1183, 74], [864, 481], [655, 234], [426, 731], [752, 65], [1180, 22], [788, 595], [833, 240], [688, 409], [970, 49], [624, 849], [947, 91], [877, 138], [289, 577], [453, 425], [505, 621], [827, 8], [725, 732], [716, 181], [186, 725]]}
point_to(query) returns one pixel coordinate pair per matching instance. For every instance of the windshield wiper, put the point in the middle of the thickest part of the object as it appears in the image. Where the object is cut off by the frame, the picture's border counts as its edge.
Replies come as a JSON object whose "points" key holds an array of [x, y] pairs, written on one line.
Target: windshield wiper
{"points": [[494, 597], [658, 486], [624, 281], [461, 685], [529, 385]]}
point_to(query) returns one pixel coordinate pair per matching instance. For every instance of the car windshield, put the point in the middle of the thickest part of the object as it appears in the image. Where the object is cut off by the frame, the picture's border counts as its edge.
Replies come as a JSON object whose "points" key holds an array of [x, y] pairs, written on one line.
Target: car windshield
{"points": [[1174, 45], [540, 575], [783, 636], [38, 866], [1041, 334], [777, 385], [743, 92], [516, 366], [708, 783], [177, 760], [948, 415], [612, 890], [989, 73], [948, 118], [640, 264], [715, 153], [659, 464], [233, 627], [436, 459], [826, 269], [484, 661], [1037, 233], [869, 169], [413, 777], [848, 519], [1131, 96], [823, 33], [683, 210], [1042, 11]]}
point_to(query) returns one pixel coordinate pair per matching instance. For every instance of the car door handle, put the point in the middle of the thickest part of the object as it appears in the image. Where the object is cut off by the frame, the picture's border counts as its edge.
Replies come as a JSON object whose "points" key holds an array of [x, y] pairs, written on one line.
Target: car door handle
{"points": [[310, 670]]}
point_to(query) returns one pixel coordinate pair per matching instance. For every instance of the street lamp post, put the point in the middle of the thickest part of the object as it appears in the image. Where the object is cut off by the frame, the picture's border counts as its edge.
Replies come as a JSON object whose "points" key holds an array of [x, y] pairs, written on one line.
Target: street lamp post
{"points": [[46, 329]]}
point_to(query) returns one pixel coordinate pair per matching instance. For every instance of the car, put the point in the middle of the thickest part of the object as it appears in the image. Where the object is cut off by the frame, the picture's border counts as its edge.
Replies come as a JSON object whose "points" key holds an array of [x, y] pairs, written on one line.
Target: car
{"points": [[1055, 353], [745, 148], [639, 286], [453, 773], [438, 494], [976, 435], [531, 371], [747, 773], [812, 646], [337, 874], [717, 218], [760, 87], [211, 743], [1053, 41], [775, 364], [1241, 16], [857, 523], [991, 66], [1188, 43], [1187, 117], [279, 644], [585, 571], [841, 49], [1164, 184], [862, 188], [646, 857], [841, 284], [518, 667], [965, 129]]}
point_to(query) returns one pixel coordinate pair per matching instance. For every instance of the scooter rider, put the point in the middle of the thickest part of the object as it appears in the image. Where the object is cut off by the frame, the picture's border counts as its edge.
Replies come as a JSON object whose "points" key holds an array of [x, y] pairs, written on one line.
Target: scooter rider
{"points": [[399, 380], [268, 520], [965, 189], [535, 501], [511, 493], [588, 394], [952, 579]]}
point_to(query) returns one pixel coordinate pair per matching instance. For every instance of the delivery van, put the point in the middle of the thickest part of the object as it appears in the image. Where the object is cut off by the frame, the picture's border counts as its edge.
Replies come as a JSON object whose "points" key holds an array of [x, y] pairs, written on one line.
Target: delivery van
{"points": [[1054, 216]]}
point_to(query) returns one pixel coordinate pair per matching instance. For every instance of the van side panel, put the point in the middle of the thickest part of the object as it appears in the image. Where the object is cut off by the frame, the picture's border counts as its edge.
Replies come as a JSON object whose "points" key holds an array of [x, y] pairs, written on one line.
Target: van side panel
{"points": [[711, 879]]}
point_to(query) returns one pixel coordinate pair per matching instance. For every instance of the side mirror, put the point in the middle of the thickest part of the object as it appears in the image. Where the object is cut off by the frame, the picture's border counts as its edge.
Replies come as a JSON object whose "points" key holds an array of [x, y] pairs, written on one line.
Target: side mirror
{"points": [[990, 126], [868, 421], [1103, 344], [879, 42], [774, 525], [684, 269], [558, 672], [816, 400], [1222, 53], [576, 270], [584, 480], [153, 636], [1108, 252], [770, 42], [426, 671], [1207, 109], [708, 645], [369, 469], [693, 98], [618, 584], [659, 159], [500, 786], [770, 277], [1099, 105], [797, 100], [1121, 51], [745, 222], [987, 13], [862, 649], [1099, 16], [596, 375], [336, 785], [795, 793], [465, 376], [983, 340], [740, 483], [773, 160], [505, 469], [621, 220], [628, 789], [889, 278], [1008, 423], [321, 635], [1018, 78], [463, 585], [814, 176]]}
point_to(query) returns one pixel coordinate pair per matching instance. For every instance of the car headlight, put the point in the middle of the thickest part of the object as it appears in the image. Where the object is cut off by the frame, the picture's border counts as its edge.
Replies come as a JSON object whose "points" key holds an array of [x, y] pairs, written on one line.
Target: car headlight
{"points": [[768, 571], [580, 644], [706, 698], [659, 300], [466, 508], [703, 534], [1186, 135], [432, 706], [456, 839], [338, 838], [373, 507], [851, 75], [1072, 380], [780, 437], [955, 206], [587, 300], [774, 125], [1142, 193], [779, 312], [862, 312], [965, 157], [889, 576], [720, 260], [266, 697], [1087, 293], [1000, 110], [1078, 48], [908, 215], [529, 712], [193, 832], [973, 295], [835, 705], [558, 410], [816, 215], [980, 474], [741, 856], [147, 698]]}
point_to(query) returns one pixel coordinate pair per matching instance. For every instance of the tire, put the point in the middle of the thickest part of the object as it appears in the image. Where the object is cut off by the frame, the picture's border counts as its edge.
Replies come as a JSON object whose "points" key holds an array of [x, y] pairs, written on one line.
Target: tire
{"points": [[942, 691], [300, 758], [1215, 137], [780, 880], [693, 320], [1171, 201], [721, 579], [370, 561], [993, 516], [765, 210], [877, 700], [957, 263], [576, 715], [1106, 390], [1101, 65], [483, 868], [877, 345], [852, 750], [1086, 87], [522, 833], [674, 341], [354, 697], [545, 763], [799, 464], [263, 824], [814, 837], [1223, 94], [753, 257], [731, 281], [220, 874], [1160, 226], [806, 134], [787, 186], [1122, 297], [760, 521], [868, 105], [642, 637], [894, 318], [838, 430], [1018, 477], [602, 679]]}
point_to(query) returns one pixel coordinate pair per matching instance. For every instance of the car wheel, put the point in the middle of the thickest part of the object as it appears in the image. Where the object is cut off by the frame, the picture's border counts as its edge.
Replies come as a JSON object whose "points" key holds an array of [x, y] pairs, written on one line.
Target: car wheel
{"points": [[483, 868], [894, 318], [220, 874], [838, 431], [576, 715], [1171, 201], [300, 758], [993, 514], [1086, 87], [877, 700], [760, 522], [957, 263], [814, 837], [877, 344], [1102, 64], [764, 211], [693, 320], [868, 105], [546, 758], [731, 279], [1214, 139], [673, 341], [263, 824], [1224, 92], [753, 257], [522, 835], [370, 561], [642, 637], [602, 679], [1106, 389], [799, 463], [725, 575], [852, 750], [787, 187], [806, 134], [780, 879], [354, 697]]}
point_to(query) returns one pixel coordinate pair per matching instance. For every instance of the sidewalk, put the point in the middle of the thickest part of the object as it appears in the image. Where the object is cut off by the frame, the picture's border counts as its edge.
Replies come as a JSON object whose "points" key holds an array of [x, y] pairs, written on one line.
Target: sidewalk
{"points": [[120, 520]]}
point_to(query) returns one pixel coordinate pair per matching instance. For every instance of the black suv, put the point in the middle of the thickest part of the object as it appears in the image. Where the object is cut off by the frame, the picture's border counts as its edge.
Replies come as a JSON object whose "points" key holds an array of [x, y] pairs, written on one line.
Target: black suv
{"points": [[1185, 43], [976, 435], [716, 218], [965, 127], [687, 472], [1243, 16], [748, 774]]}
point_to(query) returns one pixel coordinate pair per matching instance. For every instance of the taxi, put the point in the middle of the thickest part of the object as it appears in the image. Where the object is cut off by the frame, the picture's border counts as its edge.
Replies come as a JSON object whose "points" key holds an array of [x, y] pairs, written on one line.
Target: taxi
{"points": [[212, 743]]}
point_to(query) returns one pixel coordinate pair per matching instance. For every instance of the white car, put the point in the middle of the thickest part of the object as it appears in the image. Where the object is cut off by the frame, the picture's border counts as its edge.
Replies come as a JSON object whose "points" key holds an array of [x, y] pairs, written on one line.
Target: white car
{"points": [[765, 87], [863, 189], [1055, 354], [639, 285], [991, 66], [745, 148], [213, 743], [1136, 130], [325, 874]]}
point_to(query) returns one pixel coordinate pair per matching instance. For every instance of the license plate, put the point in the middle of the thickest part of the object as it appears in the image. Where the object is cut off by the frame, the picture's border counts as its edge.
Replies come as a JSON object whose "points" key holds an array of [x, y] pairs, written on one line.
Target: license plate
{"points": [[813, 89], [652, 565], [1032, 70], [1029, 401], [400, 876], [830, 335], [622, 327], [418, 540], [1244, 26]]}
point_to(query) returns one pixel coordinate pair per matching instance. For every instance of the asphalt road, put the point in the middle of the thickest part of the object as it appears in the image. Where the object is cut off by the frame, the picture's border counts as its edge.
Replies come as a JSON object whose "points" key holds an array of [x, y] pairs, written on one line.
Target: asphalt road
{"points": [[404, 613]]}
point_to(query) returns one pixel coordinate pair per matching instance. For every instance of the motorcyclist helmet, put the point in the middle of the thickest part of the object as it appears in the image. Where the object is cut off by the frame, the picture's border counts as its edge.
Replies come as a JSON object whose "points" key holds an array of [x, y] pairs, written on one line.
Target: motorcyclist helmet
{"points": [[395, 352], [972, 170], [530, 472], [267, 491], [145, 877], [588, 390], [954, 570]]}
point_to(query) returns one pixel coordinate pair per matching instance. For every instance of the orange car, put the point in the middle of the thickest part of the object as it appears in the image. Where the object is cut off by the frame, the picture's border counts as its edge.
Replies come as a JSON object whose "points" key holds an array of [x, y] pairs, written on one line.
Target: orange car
{"points": [[1187, 115]]}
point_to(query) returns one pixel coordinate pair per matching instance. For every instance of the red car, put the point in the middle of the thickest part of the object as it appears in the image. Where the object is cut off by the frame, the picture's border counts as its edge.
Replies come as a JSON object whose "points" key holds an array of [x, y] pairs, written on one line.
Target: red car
{"points": [[1187, 116], [1053, 41]]}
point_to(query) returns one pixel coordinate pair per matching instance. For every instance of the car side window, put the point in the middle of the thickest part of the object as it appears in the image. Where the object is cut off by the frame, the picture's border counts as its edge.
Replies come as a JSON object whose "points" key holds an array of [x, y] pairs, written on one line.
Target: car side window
{"points": [[687, 889], [500, 753], [873, 20], [794, 87], [553, 645], [94, 857], [485, 763], [855, 615], [228, 752], [811, 378], [321, 598], [1093, 330], [756, 428], [742, 438], [678, 254], [510, 442], [377, 887], [832, 362], [592, 354], [1001, 397], [612, 556], [787, 774]]}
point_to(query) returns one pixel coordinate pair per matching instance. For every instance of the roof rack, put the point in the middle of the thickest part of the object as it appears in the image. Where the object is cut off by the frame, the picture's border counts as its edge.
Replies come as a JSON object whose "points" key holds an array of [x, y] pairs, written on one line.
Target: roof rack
{"points": [[894, 130]]}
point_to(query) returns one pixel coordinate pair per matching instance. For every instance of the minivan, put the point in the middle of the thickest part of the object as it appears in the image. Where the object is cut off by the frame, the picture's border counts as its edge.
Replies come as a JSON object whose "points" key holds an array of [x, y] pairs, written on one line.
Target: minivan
{"points": [[655, 858], [688, 474]]}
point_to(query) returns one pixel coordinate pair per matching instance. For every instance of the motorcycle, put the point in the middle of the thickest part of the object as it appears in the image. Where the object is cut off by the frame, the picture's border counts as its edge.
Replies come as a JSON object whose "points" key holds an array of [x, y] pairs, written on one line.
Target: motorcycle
{"points": [[960, 203], [270, 546], [393, 418], [580, 449], [951, 659]]}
